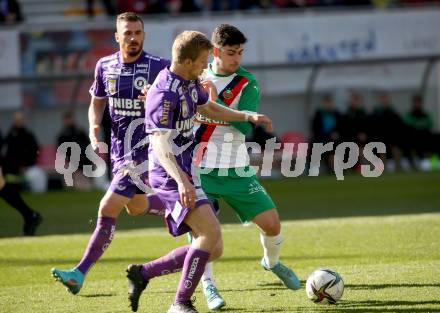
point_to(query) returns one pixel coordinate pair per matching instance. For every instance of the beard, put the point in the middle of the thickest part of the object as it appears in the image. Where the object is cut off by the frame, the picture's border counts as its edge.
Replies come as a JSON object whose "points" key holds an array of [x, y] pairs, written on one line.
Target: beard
{"points": [[134, 50]]}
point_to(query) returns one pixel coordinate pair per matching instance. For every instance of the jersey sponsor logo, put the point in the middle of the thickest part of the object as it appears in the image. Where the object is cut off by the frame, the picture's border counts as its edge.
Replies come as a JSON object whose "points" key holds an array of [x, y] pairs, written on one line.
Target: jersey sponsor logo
{"points": [[126, 71], [165, 112], [174, 85], [127, 113], [228, 94], [205, 120], [194, 95], [185, 127], [184, 108], [128, 104], [140, 82], [126, 107], [142, 65], [141, 71]]}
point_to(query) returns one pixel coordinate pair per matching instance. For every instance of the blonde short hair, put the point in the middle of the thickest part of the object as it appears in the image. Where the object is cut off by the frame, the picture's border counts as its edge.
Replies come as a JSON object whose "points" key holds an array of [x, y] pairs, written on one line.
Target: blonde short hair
{"points": [[188, 45]]}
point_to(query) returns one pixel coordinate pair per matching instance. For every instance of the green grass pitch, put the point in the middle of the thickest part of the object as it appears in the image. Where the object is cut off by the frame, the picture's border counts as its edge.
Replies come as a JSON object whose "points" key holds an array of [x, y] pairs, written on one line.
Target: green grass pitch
{"points": [[381, 234]]}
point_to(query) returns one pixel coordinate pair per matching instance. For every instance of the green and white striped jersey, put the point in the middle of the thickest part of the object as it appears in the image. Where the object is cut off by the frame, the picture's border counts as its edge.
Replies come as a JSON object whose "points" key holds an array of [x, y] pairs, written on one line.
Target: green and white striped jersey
{"points": [[222, 144]]}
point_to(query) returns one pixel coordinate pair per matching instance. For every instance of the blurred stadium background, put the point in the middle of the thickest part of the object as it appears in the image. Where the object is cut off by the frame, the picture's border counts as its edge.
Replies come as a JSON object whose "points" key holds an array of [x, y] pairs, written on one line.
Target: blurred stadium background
{"points": [[300, 51], [303, 53]]}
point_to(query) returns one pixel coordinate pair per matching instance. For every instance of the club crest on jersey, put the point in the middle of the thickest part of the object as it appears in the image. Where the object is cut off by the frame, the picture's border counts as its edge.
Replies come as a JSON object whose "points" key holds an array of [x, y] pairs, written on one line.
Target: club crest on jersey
{"points": [[184, 110], [228, 94], [112, 81], [194, 95], [140, 82]]}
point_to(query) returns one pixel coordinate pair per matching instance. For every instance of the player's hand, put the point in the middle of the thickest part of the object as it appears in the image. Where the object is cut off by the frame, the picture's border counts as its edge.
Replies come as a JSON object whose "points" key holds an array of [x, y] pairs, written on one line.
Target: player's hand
{"points": [[187, 193], [144, 92], [210, 89], [93, 136], [261, 119]]}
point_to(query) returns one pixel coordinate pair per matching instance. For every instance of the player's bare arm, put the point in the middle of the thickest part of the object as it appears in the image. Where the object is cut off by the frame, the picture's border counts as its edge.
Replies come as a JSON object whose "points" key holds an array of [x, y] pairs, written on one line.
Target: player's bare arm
{"points": [[216, 111], [96, 112], [160, 141], [210, 89]]}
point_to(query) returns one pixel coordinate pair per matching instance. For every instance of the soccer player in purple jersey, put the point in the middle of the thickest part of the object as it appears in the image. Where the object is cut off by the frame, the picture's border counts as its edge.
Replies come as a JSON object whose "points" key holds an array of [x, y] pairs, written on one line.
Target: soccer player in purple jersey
{"points": [[172, 102], [119, 80]]}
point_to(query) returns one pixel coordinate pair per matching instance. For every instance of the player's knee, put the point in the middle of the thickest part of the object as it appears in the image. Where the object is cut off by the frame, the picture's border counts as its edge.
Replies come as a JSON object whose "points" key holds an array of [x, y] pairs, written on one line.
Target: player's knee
{"points": [[272, 228], [134, 210], [106, 209], [216, 252], [214, 232], [211, 236]]}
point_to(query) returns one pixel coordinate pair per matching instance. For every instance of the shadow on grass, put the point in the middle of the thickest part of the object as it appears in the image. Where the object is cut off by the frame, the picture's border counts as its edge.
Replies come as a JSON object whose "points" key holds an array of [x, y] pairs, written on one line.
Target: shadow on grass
{"points": [[384, 286], [383, 306], [373, 306], [98, 295], [135, 259]]}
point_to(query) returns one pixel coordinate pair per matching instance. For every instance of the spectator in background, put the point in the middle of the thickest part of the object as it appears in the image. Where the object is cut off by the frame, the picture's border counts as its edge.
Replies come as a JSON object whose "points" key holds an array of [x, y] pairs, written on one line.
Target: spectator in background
{"points": [[71, 133], [419, 125], [10, 12], [10, 193], [143, 6], [326, 125], [108, 5], [354, 123], [20, 145], [386, 126]]}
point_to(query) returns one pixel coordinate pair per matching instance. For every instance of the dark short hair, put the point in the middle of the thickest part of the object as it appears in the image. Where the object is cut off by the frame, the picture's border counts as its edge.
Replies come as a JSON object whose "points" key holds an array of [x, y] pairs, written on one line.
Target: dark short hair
{"points": [[129, 17], [188, 45], [227, 35]]}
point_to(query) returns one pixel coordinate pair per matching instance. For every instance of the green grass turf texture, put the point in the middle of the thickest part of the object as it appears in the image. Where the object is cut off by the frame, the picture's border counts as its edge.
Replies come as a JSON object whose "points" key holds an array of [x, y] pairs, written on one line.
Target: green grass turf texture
{"points": [[381, 234]]}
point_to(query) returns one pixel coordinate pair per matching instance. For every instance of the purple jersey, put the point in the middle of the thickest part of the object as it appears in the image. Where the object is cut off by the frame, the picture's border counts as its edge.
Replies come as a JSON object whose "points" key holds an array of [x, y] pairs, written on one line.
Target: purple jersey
{"points": [[171, 105], [121, 83]]}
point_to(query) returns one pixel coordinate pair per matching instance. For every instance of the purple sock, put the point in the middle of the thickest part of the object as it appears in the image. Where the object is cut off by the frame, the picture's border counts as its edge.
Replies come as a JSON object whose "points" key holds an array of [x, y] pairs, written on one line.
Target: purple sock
{"points": [[193, 268], [98, 243], [155, 205], [170, 263]]}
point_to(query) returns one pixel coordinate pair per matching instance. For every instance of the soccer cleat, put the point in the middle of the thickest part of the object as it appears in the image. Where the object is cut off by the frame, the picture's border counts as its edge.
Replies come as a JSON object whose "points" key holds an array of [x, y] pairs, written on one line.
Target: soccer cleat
{"points": [[73, 279], [186, 307], [287, 276], [213, 298], [136, 284], [31, 224]]}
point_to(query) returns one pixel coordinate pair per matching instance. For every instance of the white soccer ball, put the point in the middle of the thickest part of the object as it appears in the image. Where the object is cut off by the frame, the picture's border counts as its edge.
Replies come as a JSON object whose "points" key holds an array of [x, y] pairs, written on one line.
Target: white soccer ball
{"points": [[324, 286]]}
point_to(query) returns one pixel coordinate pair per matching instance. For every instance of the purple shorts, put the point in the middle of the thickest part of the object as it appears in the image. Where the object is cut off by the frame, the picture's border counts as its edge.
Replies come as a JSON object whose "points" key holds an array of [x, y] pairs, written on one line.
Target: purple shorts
{"points": [[175, 212], [127, 184]]}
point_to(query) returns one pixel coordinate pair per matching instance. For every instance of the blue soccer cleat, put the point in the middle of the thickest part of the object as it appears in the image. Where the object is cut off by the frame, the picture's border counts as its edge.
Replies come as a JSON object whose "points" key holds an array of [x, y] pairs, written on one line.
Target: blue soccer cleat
{"points": [[73, 279], [287, 276], [213, 298]]}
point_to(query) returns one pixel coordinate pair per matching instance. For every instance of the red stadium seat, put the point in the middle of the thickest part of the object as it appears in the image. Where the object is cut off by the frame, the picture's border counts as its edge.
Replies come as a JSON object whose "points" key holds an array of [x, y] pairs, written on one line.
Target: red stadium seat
{"points": [[295, 137], [46, 156]]}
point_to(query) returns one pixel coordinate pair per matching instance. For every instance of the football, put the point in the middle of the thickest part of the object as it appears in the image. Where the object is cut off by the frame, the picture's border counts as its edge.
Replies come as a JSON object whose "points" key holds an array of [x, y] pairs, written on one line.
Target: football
{"points": [[324, 286]]}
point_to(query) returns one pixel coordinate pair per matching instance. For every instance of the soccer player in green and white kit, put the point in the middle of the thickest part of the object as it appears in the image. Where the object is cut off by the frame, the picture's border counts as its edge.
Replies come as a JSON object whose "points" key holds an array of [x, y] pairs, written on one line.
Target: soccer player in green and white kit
{"points": [[220, 168]]}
